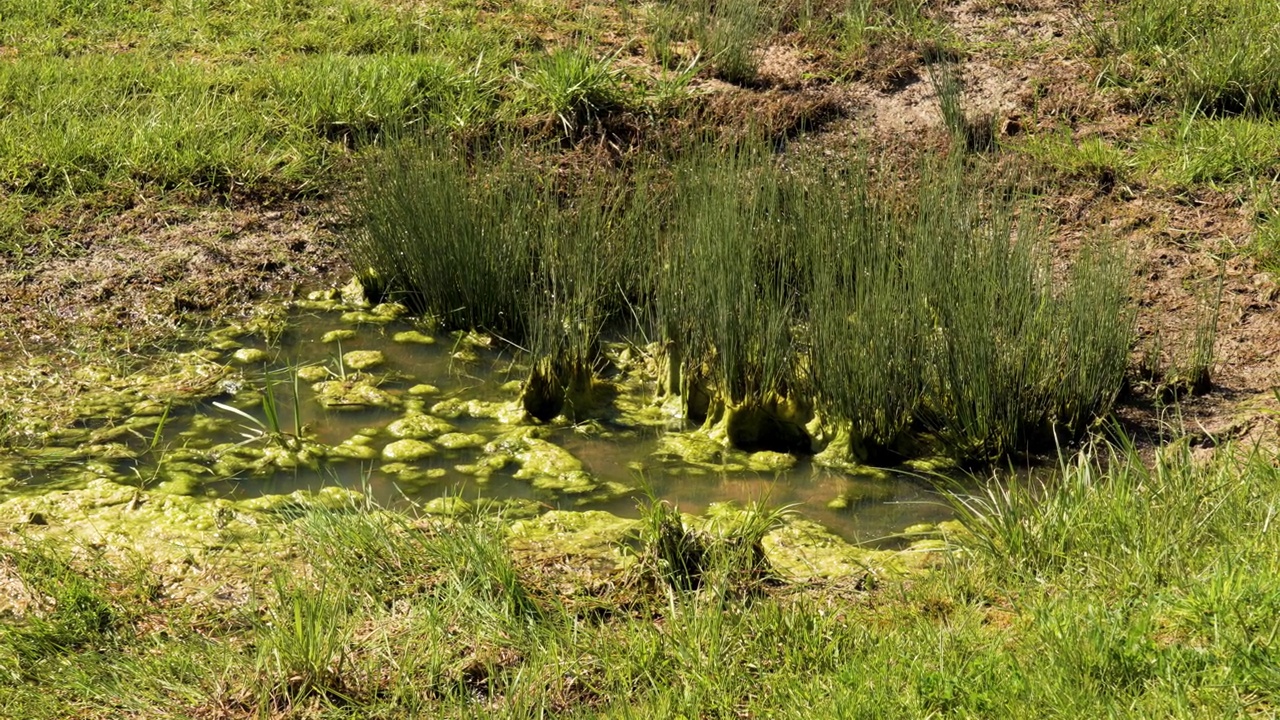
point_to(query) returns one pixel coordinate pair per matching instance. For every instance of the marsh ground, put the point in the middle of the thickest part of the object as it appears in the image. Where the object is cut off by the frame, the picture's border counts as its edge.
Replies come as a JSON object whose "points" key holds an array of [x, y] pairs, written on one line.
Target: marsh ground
{"points": [[182, 162], [125, 231]]}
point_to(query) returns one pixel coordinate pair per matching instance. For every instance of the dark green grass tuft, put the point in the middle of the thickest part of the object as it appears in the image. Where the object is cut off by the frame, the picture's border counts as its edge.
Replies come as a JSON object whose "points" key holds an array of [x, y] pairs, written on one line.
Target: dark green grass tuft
{"points": [[458, 247], [770, 289], [944, 310], [71, 612], [724, 296]]}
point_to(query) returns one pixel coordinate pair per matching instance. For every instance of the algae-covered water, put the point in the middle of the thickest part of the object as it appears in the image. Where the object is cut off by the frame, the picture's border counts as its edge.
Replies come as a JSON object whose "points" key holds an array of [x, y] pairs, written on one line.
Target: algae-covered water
{"points": [[367, 398]]}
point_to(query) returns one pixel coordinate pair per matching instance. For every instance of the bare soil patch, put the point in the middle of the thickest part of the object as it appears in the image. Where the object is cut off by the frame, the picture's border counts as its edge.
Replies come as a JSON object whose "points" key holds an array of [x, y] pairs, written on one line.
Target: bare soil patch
{"points": [[140, 275]]}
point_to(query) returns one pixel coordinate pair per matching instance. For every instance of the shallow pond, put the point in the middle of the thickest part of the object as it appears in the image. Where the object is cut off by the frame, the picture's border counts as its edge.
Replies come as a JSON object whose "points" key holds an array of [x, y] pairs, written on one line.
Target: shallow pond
{"points": [[410, 416]]}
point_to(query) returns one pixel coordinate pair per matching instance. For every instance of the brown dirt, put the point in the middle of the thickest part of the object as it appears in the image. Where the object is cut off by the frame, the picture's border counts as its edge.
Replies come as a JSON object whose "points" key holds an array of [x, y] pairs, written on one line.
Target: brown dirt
{"points": [[140, 275], [15, 597]]}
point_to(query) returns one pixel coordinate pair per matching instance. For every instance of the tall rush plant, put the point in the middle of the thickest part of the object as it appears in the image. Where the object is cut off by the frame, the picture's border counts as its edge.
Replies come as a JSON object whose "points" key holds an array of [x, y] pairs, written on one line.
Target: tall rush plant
{"points": [[726, 301], [577, 279], [866, 335], [1016, 353], [457, 242]]}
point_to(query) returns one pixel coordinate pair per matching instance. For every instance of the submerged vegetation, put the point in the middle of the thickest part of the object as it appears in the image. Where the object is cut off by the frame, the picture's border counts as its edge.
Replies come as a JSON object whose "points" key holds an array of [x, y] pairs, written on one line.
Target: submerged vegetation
{"points": [[778, 296]]}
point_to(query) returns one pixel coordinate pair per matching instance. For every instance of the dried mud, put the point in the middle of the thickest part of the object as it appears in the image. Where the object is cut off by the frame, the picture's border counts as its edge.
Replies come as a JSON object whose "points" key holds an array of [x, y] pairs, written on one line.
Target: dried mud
{"points": [[138, 276]]}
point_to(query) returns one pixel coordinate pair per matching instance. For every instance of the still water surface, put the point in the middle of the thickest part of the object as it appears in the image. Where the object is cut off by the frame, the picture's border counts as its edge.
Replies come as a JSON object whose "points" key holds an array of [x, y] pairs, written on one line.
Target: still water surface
{"points": [[876, 509]]}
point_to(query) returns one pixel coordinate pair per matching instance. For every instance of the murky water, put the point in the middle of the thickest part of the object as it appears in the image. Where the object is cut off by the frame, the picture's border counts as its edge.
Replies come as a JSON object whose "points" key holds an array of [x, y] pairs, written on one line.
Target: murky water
{"points": [[618, 454]]}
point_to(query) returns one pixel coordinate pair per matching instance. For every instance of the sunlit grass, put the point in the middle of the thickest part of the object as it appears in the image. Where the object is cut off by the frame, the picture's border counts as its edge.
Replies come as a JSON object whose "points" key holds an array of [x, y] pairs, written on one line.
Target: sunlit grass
{"points": [[112, 96], [1065, 599], [574, 87], [1218, 152], [1216, 57], [455, 247], [769, 288]]}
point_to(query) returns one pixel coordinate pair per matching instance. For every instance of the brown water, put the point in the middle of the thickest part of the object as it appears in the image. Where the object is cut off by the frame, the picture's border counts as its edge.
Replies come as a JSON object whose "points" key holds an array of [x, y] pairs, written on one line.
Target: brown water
{"points": [[617, 452], [875, 509]]}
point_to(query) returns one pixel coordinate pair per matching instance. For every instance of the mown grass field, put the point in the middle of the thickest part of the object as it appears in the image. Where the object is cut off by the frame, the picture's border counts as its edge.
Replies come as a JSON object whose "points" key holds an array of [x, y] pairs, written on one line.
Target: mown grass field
{"points": [[1140, 583]]}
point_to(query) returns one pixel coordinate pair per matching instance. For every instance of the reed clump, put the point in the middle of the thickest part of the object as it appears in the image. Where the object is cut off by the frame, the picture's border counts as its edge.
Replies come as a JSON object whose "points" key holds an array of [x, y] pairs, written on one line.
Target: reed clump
{"points": [[726, 302], [581, 258], [802, 308], [455, 244], [941, 314], [482, 240]]}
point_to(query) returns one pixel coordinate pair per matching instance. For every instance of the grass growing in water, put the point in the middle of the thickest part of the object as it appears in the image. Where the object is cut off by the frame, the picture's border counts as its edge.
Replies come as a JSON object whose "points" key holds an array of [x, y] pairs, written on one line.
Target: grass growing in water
{"points": [[488, 243], [867, 345], [725, 299], [940, 312], [459, 248]]}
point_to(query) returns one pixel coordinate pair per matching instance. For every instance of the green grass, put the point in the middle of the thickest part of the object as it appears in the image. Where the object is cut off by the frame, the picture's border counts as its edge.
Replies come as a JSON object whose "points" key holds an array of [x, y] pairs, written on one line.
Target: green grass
{"points": [[724, 35], [456, 248], [941, 310], [1064, 600], [246, 98], [1236, 155], [1187, 368], [1204, 75], [302, 641], [1223, 153], [103, 103], [726, 38], [574, 87], [1264, 247], [728, 33], [262, 100], [1094, 159], [861, 27], [1217, 57], [937, 311], [79, 613]]}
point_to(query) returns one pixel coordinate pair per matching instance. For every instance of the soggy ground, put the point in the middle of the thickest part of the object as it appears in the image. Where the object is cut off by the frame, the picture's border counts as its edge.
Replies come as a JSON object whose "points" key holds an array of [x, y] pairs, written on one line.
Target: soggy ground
{"points": [[176, 192], [101, 283], [334, 394]]}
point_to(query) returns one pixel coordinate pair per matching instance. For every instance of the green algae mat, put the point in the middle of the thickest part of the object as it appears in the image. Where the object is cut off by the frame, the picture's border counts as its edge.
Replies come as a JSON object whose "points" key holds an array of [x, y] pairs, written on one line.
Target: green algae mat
{"points": [[335, 402]]}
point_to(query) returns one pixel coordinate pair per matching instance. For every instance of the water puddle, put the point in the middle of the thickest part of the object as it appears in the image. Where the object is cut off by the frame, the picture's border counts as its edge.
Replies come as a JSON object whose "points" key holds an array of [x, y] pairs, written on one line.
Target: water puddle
{"points": [[434, 416]]}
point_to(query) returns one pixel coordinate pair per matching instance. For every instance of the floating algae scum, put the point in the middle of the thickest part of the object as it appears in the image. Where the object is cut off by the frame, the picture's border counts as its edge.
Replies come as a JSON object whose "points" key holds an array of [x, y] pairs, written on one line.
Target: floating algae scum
{"points": [[461, 397], [434, 419], [723, 330]]}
